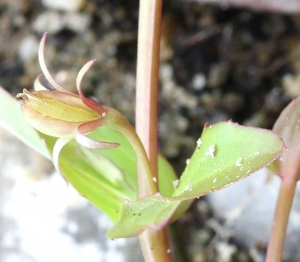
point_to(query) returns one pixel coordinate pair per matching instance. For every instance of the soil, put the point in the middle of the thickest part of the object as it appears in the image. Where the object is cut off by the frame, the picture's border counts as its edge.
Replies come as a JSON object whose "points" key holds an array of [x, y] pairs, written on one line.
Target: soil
{"points": [[216, 64]]}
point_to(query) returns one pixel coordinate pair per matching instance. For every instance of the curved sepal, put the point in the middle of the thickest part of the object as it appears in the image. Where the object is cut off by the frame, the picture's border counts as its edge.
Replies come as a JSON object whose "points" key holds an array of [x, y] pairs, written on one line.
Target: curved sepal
{"points": [[45, 70], [88, 101]]}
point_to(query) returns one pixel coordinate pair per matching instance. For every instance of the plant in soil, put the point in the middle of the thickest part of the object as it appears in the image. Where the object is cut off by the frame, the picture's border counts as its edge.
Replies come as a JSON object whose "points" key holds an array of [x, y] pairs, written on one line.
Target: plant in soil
{"points": [[118, 168]]}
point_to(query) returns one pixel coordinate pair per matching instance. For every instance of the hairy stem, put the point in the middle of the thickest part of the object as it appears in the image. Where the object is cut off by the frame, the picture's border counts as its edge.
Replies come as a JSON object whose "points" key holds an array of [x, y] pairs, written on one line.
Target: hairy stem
{"points": [[281, 217]]}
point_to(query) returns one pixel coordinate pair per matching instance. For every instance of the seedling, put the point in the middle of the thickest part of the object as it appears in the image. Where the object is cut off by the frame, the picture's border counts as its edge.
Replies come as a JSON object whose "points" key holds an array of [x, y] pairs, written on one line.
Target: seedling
{"points": [[127, 179], [287, 168]]}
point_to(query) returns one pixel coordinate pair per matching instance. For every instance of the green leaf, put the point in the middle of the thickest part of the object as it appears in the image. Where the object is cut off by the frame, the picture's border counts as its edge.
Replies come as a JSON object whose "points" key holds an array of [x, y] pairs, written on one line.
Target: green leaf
{"points": [[166, 176], [226, 153], [12, 119], [91, 181], [152, 212], [107, 178], [124, 157]]}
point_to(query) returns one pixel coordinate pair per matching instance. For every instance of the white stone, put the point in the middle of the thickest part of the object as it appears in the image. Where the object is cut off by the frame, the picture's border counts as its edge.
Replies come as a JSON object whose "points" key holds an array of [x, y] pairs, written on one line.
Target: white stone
{"points": [[248, 207], [199, 81], [28, 48], [64, 5], [52, 22]]}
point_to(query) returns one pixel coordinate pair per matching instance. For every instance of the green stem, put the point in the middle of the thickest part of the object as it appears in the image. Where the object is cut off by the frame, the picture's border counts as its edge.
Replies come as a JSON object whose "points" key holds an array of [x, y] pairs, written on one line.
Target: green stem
{"points": [[118, 122], [281, 217], [155, 243]]}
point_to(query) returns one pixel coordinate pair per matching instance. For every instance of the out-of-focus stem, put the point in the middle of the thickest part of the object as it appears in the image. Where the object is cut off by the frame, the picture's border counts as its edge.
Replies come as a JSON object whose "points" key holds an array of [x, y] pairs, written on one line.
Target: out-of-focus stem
{"points": [[281, 217]]}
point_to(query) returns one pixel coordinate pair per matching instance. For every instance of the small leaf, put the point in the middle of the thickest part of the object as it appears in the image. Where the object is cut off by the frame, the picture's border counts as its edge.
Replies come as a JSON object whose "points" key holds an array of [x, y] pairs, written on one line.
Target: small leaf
{"points": [[166, 177], [288, 126], [227, 153], [90, 182], [105, 167], [152, 212]]}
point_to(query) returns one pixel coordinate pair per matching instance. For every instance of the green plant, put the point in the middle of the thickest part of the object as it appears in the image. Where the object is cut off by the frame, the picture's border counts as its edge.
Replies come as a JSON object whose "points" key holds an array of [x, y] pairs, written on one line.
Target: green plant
{"points": [[127, 179], [288, 169]]}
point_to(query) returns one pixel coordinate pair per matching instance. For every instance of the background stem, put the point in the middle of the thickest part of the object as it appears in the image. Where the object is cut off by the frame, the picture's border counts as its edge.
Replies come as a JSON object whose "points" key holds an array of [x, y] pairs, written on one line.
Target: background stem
{"points": [[155, 244], [281, 217]]}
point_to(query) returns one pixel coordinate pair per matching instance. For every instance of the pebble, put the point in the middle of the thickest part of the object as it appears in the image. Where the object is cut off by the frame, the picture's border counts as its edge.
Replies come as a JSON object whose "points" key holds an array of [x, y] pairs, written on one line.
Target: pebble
{"points": [[52, 22], [248, 207], [199, 82], [280, 6], [225, 251], [65, 5], [166, 72], [28, 48], [291, 85], [48, 22]]}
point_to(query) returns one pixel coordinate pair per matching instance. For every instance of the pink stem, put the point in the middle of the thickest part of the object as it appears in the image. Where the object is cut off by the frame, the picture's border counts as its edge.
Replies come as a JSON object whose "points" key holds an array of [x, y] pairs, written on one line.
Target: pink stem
{"points": [[281, 217], [155, 244]]}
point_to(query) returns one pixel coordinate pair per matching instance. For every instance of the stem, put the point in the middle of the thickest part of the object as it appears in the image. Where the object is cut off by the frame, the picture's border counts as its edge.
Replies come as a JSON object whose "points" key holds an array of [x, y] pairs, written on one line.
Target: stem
{"points": [[155, 244], [116, 121], [280, 221], [147, 81]]}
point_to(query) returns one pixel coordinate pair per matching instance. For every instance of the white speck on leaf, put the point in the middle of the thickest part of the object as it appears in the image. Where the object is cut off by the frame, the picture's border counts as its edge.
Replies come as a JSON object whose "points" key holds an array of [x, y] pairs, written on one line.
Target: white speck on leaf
{"points": [[215, 180], [103, 114], [239, 161], [154, 179], [188, 187], [211, 151], [175, 183], [188, 161], [199, 142]]}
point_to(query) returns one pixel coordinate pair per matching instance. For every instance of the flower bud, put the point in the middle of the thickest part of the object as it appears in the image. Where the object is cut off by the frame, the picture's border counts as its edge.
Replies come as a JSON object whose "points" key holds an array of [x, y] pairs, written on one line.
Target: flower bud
{"points": [[61, 113], [56, 113]]}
